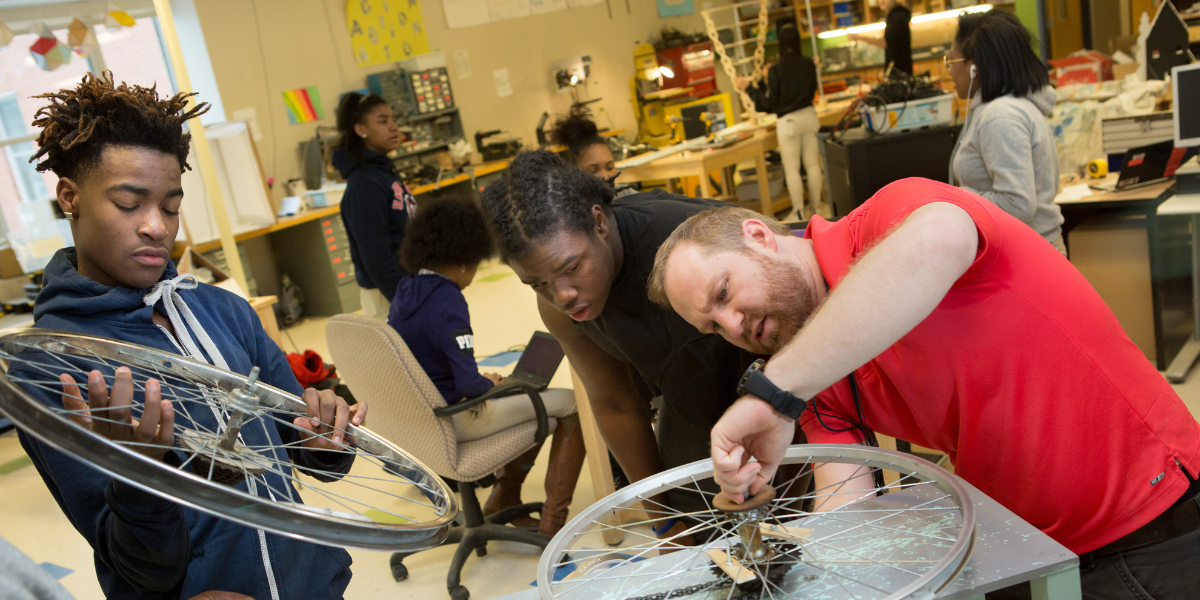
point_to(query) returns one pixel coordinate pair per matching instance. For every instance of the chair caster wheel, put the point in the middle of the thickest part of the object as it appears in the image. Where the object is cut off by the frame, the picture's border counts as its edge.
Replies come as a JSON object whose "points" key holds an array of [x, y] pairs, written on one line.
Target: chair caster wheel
{"points": [[399, 572], [459, 593]]}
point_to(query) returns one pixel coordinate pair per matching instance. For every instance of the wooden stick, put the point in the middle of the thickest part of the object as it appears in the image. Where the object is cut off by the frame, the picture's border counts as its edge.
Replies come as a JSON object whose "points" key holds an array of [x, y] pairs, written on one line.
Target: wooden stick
{"points": [[791, 534], [731, 566]]}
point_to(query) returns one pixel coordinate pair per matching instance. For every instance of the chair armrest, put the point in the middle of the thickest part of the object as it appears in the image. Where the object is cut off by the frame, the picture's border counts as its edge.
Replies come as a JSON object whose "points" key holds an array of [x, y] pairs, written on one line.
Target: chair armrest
{"points": [[504, 388]]}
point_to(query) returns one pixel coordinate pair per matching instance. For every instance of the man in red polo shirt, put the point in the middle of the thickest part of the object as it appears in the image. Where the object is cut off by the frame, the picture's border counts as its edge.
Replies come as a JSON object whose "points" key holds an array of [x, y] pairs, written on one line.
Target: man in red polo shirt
{"points": [[964, 331]]}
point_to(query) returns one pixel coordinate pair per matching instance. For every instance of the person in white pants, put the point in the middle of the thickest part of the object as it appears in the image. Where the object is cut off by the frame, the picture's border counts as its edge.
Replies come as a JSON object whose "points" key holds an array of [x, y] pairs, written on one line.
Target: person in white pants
{"points": [[790, 86]]}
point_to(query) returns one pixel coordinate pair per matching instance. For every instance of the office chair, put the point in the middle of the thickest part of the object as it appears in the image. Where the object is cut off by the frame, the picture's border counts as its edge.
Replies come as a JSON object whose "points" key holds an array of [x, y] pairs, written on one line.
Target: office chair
{"points": [[408, 410]]}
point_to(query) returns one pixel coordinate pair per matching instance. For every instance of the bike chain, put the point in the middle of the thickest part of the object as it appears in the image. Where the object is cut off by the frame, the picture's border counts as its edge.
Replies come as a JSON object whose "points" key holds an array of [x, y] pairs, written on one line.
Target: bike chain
{"points": [[748, 589]]}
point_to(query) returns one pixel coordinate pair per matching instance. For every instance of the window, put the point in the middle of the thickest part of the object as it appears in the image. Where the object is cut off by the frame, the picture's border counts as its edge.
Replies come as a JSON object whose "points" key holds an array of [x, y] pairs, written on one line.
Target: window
{"points": [[23, 173], [134, 55]]}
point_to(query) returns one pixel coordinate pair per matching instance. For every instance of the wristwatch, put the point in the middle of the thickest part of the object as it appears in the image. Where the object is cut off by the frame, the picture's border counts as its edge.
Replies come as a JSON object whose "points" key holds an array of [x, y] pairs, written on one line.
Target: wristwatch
{"points": [[755, 383]]}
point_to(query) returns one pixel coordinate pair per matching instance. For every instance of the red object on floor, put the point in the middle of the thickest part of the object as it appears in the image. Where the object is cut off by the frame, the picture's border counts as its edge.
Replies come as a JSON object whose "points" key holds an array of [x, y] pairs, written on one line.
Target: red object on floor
{"points": [[309, 368]]}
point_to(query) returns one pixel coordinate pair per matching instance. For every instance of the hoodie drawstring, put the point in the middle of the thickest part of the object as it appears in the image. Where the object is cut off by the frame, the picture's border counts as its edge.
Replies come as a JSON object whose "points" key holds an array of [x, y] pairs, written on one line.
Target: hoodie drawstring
{"points": [[168, 291], [184, 321]]}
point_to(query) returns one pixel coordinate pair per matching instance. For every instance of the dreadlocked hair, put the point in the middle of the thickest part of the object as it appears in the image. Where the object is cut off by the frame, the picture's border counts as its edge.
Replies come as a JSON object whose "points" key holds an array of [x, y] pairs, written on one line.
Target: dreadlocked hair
{"points": [[577, 132], [77, 124], [539, 196]]}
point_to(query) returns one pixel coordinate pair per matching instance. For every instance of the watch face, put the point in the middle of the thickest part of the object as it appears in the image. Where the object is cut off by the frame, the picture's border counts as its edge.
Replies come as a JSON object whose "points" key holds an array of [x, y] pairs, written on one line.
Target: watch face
{"points": [[755, 366]]}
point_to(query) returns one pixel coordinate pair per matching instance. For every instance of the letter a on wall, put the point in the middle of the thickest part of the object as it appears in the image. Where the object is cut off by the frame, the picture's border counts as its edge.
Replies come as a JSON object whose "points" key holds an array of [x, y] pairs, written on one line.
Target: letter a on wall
{"points": [[384, 31]]}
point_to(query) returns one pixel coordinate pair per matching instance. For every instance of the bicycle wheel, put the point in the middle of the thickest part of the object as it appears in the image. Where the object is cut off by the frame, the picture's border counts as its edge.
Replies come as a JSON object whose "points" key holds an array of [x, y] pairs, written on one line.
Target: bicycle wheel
{"points": [[906, 539], [226, 462]]}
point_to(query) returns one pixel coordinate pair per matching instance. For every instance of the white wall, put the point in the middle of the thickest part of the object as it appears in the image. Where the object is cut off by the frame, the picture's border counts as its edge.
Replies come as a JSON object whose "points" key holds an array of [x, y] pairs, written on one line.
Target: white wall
{"points": [[259, 48]]}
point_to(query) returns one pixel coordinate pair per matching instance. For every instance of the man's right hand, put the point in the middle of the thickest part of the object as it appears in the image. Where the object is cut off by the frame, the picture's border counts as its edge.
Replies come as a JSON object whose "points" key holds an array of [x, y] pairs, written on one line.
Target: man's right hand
{"points": [[111, 415], [750, 428], [493, 377]]}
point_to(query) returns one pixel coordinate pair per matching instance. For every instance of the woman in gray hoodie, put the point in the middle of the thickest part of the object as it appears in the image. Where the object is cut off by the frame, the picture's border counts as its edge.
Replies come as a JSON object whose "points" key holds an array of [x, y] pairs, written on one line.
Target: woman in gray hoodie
{"points": [[1006, 152]]}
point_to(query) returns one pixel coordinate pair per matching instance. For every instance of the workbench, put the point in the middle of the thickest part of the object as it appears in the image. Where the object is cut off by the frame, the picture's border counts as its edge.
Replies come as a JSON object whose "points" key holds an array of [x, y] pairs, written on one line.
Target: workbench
{"points": [[699, 163], [1007, 551], [313, 214], [1138, 260]]}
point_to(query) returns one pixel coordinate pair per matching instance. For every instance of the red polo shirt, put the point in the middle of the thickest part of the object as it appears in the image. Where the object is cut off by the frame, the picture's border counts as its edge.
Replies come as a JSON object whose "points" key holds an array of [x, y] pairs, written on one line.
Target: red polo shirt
{"points": [[1022, 375]]}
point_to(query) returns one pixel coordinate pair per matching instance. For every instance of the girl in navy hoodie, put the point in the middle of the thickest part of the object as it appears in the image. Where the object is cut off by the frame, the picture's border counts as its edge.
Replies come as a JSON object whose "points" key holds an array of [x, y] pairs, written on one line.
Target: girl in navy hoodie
{"points": [[377, 205], [119, 153], [443, 247]]}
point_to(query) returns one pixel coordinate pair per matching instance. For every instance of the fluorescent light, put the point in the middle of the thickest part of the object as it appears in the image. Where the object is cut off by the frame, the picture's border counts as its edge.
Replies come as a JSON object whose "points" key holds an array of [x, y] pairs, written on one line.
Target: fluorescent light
{"points": [[574, 79], [918, 19], [665, 72], [952, 13]]}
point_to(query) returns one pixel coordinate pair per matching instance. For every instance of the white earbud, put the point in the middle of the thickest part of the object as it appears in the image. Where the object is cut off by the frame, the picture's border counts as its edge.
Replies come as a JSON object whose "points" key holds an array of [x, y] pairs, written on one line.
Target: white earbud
{"points": [[972, 71]]}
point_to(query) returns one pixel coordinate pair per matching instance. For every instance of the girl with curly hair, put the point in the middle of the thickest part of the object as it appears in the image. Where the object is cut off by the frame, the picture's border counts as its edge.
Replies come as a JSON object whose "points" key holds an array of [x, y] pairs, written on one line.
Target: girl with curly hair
{"points": [[443, 247]]}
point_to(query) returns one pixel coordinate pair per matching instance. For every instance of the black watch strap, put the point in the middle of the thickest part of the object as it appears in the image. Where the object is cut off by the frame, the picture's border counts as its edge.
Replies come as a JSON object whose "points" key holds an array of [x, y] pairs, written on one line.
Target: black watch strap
{"points": [[755, 383]]}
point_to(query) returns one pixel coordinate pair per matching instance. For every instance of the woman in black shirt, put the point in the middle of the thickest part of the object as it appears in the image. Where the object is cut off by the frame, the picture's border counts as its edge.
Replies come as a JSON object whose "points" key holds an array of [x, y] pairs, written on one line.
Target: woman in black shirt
{"points": [[790, 86], [897, 38]]}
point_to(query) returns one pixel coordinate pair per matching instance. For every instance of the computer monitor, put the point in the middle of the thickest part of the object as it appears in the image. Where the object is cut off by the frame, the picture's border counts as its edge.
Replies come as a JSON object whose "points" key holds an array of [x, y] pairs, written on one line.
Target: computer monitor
{"points": [[1185, 88]]}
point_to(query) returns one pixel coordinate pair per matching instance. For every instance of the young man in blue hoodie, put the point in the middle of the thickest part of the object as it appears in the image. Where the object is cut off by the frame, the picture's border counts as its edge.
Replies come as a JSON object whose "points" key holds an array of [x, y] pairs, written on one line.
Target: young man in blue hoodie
{"points": [[120, 152]]}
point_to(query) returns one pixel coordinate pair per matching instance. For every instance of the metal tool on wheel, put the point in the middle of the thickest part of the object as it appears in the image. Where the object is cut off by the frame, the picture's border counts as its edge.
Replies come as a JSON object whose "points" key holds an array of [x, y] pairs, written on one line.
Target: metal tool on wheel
{"points": [[910, 541], [387, 501]]}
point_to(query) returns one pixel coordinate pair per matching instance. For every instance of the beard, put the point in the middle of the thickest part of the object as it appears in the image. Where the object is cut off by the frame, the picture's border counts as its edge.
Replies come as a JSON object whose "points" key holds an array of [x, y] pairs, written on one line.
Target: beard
{"points": [[788, 300]]}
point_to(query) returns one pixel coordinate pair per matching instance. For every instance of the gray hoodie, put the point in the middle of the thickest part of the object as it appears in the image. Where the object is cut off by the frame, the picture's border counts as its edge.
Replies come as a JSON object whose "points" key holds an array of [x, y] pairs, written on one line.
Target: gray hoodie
{"points": [[1006, 153]]}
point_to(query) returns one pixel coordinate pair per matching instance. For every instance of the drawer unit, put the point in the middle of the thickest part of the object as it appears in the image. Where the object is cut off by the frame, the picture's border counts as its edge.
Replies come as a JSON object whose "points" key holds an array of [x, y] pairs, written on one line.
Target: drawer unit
{"points": [[316, 256]]}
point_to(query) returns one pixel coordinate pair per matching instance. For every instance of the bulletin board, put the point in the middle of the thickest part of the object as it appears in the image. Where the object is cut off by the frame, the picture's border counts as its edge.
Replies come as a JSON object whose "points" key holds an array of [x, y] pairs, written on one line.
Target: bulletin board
{"points": [[383, 31]]}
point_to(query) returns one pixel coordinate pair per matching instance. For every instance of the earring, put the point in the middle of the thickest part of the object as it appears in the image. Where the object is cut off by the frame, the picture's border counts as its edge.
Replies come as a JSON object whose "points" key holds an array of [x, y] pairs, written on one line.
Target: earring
{"points": [[462, 269], [69, 215], [363, 136]]}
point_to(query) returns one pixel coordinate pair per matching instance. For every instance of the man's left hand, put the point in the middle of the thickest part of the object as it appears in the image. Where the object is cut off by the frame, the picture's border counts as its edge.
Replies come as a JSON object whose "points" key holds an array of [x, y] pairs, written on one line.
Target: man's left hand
{"points": [[328, 417]]}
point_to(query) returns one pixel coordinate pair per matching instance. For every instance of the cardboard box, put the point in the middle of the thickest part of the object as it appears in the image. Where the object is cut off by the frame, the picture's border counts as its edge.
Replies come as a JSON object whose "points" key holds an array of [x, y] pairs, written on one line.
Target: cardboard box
{"points": [[1084, 66], [192, 260], [9, 267], [1121, 71]]}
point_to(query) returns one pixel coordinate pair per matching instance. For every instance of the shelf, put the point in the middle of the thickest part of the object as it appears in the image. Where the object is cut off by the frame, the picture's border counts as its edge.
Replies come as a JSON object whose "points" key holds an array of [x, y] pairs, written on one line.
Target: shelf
{"points": [[429, 148], [433, 115]]}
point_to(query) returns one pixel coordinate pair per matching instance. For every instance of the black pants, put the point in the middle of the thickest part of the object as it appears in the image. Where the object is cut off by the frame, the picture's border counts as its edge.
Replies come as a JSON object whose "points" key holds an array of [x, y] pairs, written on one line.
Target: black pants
{"points": [[1168, 570]]}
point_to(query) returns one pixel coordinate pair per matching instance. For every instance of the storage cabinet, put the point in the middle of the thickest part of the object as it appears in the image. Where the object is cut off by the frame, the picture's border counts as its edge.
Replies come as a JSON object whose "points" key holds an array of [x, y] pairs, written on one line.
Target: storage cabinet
{"points": [[316, 256]]}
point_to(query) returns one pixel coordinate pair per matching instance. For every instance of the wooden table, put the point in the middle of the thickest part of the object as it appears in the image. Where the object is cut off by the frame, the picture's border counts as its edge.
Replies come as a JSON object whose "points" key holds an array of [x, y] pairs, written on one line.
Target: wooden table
{"points": [[700, 163], [1137, 260]]}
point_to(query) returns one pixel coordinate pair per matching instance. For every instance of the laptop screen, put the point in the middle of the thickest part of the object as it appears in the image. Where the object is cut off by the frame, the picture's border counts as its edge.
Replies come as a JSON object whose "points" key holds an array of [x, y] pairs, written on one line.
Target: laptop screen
{"points": [[541, 357]]}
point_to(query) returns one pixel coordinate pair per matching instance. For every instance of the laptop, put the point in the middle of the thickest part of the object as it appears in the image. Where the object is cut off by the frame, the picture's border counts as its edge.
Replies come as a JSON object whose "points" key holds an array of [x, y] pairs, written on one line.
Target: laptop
{"points": [[1145, 165], [539, 361]]}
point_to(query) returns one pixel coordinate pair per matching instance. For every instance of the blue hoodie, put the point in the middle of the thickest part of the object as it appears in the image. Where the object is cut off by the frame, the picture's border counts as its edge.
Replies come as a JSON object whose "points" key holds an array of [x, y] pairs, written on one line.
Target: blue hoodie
{"points": [[375, 209], [430, 314], [147, 546]]}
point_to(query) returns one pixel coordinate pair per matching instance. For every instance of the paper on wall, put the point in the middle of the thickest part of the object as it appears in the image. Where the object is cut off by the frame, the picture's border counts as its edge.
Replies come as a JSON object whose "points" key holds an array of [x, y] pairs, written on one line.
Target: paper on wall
{"points": [[465, 13], [462, 64], [578, 3], [538, 7], [503, 85], [499, 10], [383, 31]]}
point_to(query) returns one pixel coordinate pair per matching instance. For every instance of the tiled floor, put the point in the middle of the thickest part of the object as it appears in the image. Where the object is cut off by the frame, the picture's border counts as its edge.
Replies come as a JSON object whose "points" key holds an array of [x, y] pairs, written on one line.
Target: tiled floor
{"points": [[503, 315]]}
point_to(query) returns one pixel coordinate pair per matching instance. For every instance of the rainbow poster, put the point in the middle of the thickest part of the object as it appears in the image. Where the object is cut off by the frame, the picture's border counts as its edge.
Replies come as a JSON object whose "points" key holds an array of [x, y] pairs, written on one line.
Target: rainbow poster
{"points": [[304, 105]]}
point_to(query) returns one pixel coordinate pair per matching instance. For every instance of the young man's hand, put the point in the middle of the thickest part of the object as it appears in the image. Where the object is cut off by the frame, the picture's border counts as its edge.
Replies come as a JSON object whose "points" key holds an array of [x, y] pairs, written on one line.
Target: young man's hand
{"points": [[493, 377], [328, 417], [216, 595], [109, 412], [749, 428]]}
